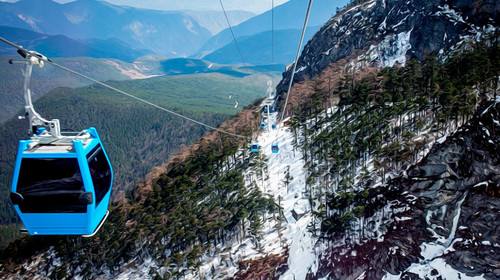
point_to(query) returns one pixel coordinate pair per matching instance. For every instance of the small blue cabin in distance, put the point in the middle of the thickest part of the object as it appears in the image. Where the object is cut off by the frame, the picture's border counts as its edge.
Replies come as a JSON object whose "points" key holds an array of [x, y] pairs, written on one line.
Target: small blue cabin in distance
{"points": [[62, 187], [275, 149], [255, 148], [270, 105]]}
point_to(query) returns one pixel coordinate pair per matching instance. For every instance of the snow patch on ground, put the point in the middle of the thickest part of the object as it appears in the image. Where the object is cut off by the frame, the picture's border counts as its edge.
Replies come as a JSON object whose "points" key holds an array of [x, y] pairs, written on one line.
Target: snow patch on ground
{"points": [[276, 237], [453, 15], [433, 252], [389, 52], [301, 69], [141, 272], [389, 276], [393, 49], [445, 271], [299, 240]]}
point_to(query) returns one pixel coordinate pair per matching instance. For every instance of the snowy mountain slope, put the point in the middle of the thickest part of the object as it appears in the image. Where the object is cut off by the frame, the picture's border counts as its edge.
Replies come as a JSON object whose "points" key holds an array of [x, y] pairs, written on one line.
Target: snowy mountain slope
{"points": [[432, 236], [382, 174], [390, 243], [353, 230], [281, 177], [413, 222]]}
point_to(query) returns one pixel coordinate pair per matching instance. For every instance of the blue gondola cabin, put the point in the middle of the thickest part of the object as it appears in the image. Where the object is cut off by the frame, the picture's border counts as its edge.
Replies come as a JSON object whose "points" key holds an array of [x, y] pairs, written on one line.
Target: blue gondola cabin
{"points": [[62, 187], [275, 148], [255, 148]]}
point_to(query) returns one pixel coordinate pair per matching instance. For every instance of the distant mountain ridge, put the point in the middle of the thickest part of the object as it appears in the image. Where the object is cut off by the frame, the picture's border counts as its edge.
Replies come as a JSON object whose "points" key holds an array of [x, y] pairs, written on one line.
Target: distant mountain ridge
{"points": [[257, 50], [286, 16], [63, 46], [164, 32], [215, 21]]}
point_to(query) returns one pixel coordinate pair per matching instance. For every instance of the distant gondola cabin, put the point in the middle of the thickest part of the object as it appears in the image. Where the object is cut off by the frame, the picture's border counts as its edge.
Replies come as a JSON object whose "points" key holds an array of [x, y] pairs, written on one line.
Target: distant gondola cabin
{"points": [[255, 148], [275, 148]]}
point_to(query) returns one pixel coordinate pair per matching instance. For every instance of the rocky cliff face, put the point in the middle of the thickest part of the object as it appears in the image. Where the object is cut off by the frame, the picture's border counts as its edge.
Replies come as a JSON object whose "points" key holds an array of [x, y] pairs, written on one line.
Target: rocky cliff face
{"points": [[383, 33]]}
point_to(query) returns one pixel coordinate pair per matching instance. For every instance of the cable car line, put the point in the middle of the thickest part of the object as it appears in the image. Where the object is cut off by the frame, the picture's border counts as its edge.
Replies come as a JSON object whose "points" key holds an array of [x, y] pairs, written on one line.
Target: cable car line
{"points": [[147, 102], [61, 183], [64, 186], [12, 44], [232, 32], [275, 147], [306, 21], [272, 31], [21, 49]]}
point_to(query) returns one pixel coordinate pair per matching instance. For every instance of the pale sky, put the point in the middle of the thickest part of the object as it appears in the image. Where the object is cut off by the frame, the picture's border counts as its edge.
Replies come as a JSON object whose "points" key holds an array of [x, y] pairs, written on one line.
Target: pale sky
{"points": [[255, 6]]}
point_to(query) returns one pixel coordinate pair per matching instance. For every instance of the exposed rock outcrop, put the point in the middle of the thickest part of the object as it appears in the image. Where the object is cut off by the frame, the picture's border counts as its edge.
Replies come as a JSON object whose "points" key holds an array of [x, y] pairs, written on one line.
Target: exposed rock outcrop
{"points": [[387, 32], [450, 223]]}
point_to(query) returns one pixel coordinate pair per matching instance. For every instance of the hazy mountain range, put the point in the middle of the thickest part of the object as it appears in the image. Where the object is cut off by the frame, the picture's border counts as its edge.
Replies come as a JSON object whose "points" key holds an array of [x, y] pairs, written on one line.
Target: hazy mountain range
{"points": [[285, 47], [254, 6], [169, 33], [63, 46], [90, 26], [215, 21], [287, 16]]}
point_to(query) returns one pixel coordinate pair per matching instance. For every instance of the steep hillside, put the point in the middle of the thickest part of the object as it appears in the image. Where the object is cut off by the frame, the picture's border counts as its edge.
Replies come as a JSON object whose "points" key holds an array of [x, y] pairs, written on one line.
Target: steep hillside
{"points": [[88, 19], [286, 16], [437, 221], [384, 33], [137, 138], [319, 207], [338, 177]]}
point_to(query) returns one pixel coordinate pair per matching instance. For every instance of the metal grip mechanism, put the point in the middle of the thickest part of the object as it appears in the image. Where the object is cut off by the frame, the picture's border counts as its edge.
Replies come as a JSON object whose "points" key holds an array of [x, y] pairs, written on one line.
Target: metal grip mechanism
{"points": [[39, 126]]}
